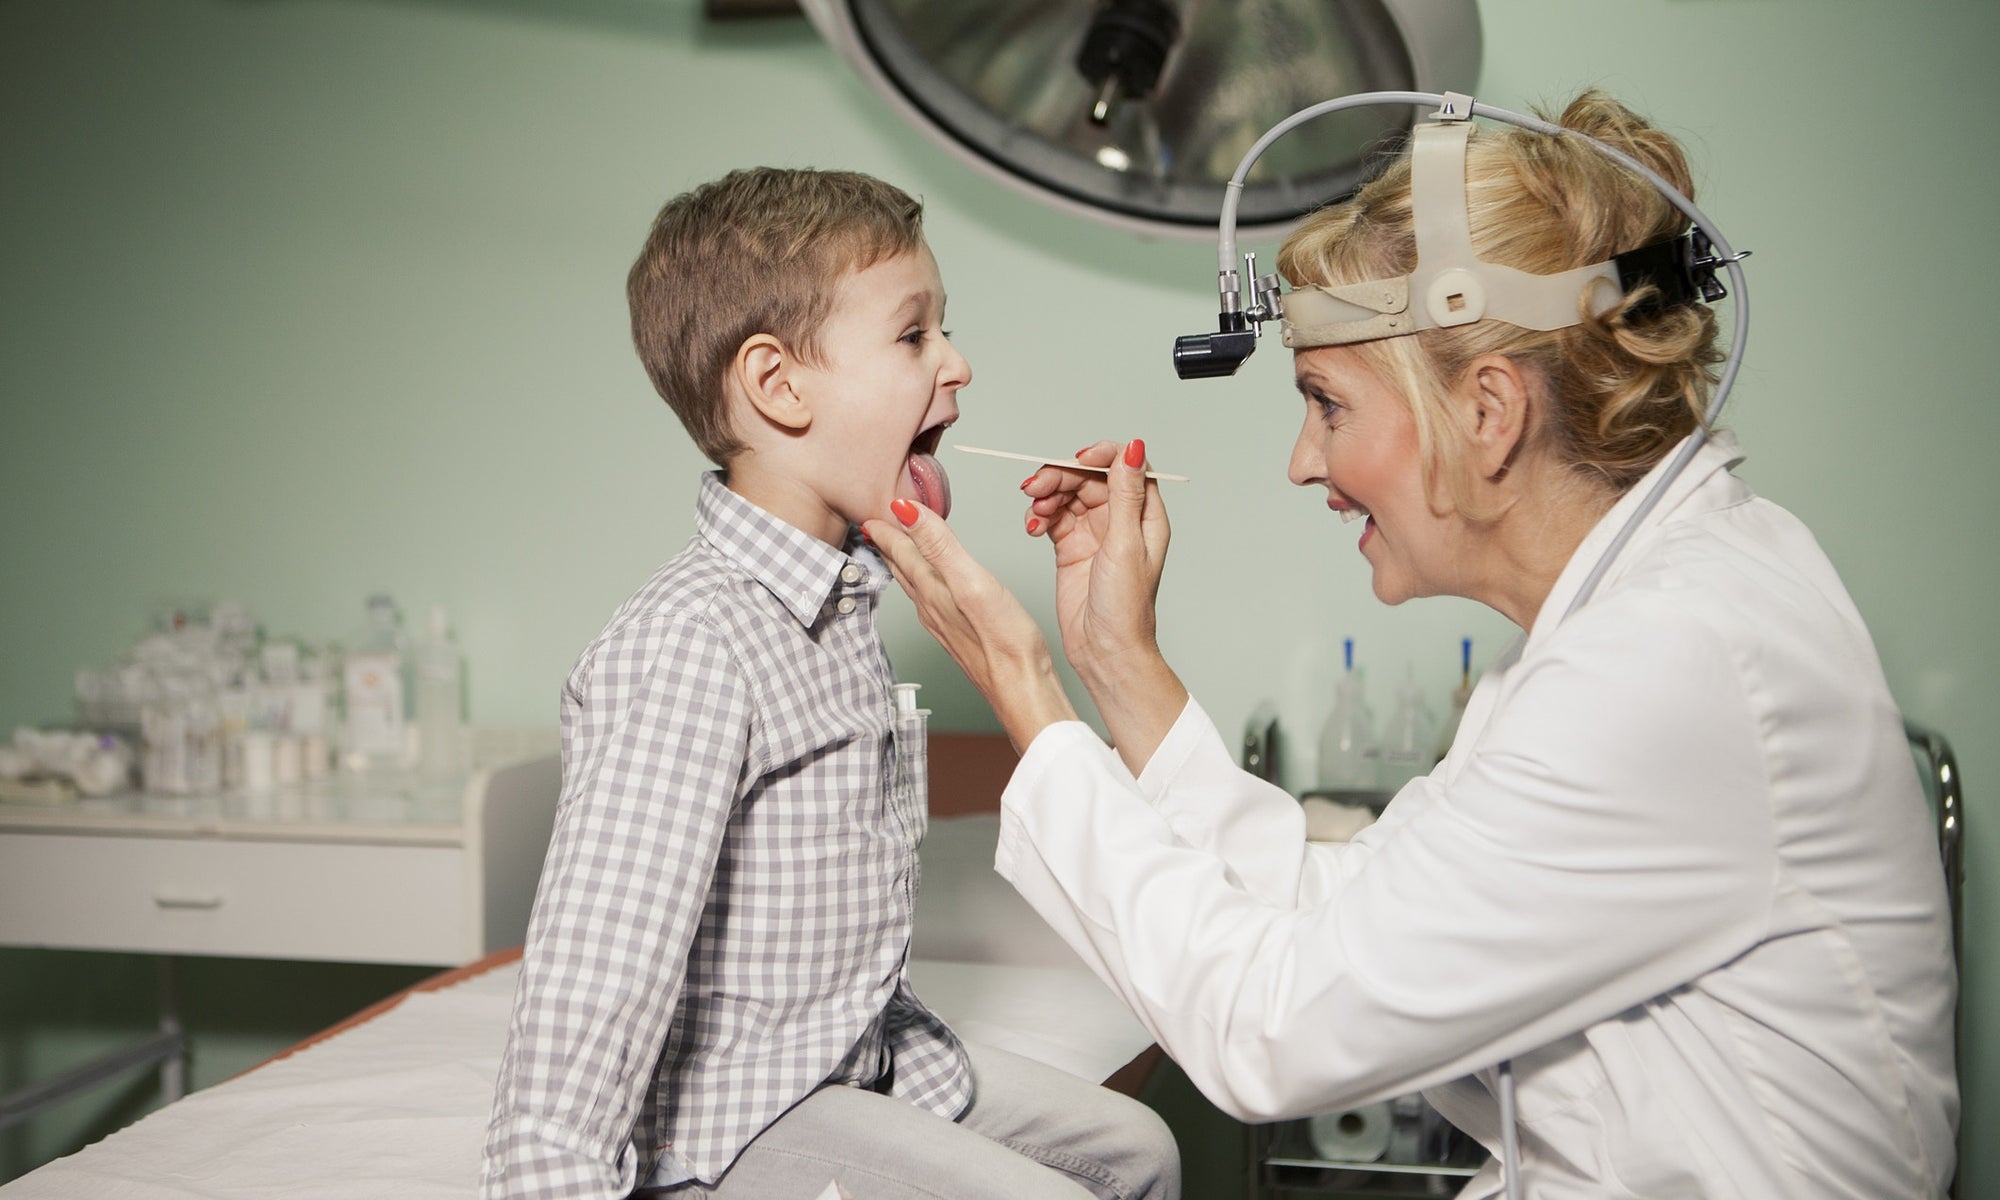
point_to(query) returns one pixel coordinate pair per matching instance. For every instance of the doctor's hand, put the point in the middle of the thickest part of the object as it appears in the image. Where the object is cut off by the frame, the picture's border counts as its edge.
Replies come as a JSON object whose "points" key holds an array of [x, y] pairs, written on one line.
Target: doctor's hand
{"points": [[1110, 535], [975, 618]]}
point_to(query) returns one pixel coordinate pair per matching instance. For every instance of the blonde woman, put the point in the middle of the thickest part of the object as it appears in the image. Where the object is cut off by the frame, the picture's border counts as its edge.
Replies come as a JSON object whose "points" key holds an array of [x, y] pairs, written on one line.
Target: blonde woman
{"points": [[1675, 868]]}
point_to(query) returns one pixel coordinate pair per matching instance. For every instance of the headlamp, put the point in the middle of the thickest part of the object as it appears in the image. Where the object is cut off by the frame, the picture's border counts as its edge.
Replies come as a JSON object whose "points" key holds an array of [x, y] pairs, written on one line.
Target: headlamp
{"points": [[1451, 284]]}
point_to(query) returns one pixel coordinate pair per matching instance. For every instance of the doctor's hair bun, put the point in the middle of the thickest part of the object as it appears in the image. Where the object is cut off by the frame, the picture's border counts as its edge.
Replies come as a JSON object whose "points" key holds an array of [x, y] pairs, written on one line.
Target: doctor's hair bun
{"points": [[1620, 389], [1636, 380]]}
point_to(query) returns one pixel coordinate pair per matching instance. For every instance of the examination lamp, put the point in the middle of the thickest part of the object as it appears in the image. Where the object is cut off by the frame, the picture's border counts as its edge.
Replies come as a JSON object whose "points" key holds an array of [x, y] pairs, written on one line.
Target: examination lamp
{"points": [[1131, 112]]}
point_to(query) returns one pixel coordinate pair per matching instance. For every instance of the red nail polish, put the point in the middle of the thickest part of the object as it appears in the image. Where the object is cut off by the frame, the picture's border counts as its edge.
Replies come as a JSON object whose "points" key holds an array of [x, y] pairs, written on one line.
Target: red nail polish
{"points": [[1082, 452], [1034, 525], [1030, 479], [905, 511], [1135, 452]]}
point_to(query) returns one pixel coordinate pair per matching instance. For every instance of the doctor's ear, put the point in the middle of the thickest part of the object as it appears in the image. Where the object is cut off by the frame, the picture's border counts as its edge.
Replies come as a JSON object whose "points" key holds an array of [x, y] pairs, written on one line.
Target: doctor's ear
{"points": [[1495, 399], [768, 374]]}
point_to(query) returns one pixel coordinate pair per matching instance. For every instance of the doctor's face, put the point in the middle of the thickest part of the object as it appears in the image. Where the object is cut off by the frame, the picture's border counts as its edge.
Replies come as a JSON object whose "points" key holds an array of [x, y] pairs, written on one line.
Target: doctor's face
{"points": [[1359, 442]]}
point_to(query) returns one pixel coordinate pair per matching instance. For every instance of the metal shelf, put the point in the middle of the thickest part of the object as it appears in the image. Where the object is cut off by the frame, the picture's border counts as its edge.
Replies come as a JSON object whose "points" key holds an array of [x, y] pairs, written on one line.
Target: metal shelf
{"points": [[1284, 1166]]}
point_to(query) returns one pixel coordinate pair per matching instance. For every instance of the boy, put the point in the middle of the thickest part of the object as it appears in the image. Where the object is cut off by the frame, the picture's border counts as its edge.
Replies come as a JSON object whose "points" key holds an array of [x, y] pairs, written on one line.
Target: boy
{"points": [[713, 1000]]}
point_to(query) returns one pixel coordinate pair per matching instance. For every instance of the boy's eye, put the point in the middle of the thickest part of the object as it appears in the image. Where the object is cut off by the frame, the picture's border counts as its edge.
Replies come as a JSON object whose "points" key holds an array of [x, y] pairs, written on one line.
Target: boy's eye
{"points": [[914, 337]]}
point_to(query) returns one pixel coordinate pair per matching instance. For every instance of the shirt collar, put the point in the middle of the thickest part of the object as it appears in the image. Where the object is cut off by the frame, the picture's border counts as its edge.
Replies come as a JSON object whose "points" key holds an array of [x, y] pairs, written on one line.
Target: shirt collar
{"points": [[1717, 456], [796, 567]]}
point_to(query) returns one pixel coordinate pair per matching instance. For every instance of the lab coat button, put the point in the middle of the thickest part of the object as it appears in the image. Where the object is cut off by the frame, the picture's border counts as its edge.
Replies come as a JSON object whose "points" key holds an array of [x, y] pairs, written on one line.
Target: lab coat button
{"points": [[845, 605], [850, 574]]}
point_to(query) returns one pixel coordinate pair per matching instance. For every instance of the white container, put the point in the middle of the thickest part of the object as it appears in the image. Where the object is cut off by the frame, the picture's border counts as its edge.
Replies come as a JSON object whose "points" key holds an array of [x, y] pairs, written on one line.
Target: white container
{"points": [[373, 674], [1459, 697], [439, 675], [1409, 740], [1350, 757]]}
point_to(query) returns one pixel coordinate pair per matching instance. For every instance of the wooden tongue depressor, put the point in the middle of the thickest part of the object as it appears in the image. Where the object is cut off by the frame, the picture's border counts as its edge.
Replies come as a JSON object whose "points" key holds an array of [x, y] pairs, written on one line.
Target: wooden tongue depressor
{"points": [[1071, 463]]}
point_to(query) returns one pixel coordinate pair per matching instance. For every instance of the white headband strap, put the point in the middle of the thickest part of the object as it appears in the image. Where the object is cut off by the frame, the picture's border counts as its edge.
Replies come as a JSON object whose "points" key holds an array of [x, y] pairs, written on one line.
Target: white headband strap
{"points": [[1452, 285]]}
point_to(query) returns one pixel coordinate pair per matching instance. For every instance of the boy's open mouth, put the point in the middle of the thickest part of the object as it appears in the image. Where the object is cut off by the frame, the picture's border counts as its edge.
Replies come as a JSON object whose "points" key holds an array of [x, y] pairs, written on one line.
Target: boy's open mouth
{"points": [[933, 486]]}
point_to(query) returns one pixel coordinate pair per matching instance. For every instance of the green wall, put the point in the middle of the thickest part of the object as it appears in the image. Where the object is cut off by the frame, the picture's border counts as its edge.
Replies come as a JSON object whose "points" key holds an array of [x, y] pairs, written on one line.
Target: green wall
{"points": [[304, 298]]}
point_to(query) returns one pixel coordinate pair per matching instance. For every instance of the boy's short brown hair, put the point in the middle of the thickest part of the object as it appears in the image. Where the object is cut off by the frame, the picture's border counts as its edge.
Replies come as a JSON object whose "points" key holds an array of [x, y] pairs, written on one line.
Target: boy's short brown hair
{"points": [[757, 251]]}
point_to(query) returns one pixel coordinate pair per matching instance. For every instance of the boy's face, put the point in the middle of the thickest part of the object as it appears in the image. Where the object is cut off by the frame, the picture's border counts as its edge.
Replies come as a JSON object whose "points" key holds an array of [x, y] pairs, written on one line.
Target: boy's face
{"points": [[885, 390]]}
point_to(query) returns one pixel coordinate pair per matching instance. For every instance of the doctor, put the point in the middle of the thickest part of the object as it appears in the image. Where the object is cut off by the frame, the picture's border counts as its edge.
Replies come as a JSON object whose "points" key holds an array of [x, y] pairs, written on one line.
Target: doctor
{"points": [[1675, 868]]}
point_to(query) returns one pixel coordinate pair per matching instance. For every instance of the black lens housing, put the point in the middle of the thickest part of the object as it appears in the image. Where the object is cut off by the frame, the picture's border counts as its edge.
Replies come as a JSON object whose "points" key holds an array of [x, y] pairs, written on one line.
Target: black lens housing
{"points": [[1214, 355]]}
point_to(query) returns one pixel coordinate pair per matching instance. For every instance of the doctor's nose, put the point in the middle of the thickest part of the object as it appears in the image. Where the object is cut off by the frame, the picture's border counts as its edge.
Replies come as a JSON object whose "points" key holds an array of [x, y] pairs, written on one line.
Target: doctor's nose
{"points": [[1306, 467]]}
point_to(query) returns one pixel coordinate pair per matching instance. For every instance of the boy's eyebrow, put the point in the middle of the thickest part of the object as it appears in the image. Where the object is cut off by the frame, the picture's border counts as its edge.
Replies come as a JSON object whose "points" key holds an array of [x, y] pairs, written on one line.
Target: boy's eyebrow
{"points": [[920, 301]]}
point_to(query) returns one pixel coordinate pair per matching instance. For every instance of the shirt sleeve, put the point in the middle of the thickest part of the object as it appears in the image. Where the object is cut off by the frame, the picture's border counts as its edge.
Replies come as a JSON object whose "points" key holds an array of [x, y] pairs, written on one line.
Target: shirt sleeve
{"points": [[1609, 840], [660, 745]]}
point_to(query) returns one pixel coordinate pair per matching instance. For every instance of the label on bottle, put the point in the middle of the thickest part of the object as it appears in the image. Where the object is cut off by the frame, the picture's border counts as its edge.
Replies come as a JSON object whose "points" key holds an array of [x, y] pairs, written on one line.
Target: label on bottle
{"points": [[375, 704]]}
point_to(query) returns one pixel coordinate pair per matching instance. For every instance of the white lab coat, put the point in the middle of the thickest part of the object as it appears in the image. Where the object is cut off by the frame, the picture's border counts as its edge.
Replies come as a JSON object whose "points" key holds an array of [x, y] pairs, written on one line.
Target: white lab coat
{"points": [[1676, 867]]}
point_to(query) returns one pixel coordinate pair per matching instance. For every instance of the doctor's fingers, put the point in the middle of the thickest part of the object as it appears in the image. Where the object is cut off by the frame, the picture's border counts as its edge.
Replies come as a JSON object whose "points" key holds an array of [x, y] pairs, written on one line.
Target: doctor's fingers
{"points": [[1052, 489], [969, 611], [1058, 484], [1138, 527]]}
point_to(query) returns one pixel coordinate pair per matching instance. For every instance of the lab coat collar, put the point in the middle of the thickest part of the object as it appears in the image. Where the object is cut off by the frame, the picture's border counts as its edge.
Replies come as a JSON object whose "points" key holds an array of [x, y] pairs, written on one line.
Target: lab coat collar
{"points": [[1717, 457]]}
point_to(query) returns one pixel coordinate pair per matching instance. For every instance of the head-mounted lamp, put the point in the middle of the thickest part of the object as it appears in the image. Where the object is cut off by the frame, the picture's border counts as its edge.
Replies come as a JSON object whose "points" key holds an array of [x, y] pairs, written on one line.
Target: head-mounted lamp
{"points": [[1451, 284]]}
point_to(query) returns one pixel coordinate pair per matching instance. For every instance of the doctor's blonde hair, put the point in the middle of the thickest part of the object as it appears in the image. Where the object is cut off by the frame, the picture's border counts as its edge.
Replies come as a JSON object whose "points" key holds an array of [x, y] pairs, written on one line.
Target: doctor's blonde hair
{"points": [[1618, 390]]}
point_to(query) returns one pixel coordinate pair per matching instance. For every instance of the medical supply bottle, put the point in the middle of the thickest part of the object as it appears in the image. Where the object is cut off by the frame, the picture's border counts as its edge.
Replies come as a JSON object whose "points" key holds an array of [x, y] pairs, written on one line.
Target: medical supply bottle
{"points": [[1410, 737], [1349, 756], [1459, 696], [376, 708], [440, 701]]}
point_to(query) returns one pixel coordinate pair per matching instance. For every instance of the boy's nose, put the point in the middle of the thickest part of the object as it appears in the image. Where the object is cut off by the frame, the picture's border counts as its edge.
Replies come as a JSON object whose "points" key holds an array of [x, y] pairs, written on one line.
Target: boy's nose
{"points": [[957, 371]]}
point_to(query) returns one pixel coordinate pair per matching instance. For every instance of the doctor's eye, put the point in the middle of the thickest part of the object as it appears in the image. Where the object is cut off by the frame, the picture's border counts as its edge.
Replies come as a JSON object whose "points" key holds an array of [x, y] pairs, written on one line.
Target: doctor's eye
{"points": [[1328, 408]]}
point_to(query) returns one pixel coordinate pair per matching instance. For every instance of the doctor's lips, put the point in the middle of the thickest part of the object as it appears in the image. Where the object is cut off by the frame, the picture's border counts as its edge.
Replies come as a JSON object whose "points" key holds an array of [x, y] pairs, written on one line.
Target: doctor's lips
{"points": [[1070, 463], [927, 475]]}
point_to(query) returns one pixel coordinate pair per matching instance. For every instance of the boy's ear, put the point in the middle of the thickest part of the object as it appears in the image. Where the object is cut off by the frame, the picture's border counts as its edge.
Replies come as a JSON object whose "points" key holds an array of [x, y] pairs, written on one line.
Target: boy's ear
{"points": [[767, 371]]}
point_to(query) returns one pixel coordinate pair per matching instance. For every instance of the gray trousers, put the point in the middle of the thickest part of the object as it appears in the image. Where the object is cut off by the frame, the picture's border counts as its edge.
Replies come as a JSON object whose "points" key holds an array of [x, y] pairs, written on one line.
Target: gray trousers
{"points": [[1033, 1133]]}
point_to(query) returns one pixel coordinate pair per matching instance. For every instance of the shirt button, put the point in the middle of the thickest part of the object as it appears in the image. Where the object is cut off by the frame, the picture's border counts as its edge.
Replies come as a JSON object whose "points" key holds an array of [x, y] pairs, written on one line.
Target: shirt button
{"points": [[850, 574], [844, 605]]}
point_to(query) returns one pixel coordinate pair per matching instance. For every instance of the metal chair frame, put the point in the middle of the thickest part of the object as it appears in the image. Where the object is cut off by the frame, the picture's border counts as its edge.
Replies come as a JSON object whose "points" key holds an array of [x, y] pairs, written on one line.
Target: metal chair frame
{"points": [[1941, 782]]}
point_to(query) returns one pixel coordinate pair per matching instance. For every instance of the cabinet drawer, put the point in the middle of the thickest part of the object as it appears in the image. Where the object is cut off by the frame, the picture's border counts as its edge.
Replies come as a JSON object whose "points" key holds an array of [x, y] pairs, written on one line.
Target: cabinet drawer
{"points": [[333, 901]]}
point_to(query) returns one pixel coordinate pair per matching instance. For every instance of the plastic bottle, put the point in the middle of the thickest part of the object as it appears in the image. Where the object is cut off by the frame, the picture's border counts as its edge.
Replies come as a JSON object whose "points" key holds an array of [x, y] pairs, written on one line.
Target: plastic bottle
{"points": [[440, 700], [1410, 736], [1459, 696], [312, 700], [1349, 756], [376, 704]]}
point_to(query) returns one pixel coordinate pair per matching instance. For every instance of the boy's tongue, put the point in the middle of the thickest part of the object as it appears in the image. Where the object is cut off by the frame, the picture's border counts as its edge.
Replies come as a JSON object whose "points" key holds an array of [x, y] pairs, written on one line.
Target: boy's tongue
{"points": [[933, 486]]}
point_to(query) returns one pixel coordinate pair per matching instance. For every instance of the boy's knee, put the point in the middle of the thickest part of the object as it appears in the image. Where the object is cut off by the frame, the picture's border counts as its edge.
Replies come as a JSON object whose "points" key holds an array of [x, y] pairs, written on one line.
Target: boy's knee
{"points": [[1151, 1152]]}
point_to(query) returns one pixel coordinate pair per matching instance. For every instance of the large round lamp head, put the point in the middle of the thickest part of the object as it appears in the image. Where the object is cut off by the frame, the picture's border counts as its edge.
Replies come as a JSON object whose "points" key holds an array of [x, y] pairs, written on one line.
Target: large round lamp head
{"points": [[1135, 112]]}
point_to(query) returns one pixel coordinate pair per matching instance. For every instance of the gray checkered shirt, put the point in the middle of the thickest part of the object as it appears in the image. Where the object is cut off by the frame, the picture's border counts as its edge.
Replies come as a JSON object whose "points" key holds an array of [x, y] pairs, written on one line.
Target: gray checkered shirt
{"points": [[725, 911]]}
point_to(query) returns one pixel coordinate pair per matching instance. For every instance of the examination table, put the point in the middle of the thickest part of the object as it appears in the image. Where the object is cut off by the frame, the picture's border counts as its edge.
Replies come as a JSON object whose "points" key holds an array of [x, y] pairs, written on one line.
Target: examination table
{"points": [[394, 1101]]}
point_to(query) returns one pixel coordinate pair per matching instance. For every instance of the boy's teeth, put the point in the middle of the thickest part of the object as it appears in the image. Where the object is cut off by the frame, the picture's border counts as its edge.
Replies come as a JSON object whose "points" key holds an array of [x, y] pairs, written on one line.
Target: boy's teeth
{"points": [[1350, 515]]}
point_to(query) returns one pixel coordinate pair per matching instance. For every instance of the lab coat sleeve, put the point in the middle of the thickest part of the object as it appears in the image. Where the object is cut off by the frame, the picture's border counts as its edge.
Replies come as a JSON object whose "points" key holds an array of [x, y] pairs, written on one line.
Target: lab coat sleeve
{"points": [[636, 839], [1257, 828], [1609, 839]]}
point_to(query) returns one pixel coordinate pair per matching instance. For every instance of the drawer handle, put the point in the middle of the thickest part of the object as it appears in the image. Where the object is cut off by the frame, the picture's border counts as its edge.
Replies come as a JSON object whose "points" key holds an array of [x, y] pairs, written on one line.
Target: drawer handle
{"points": [[188, 901]]}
